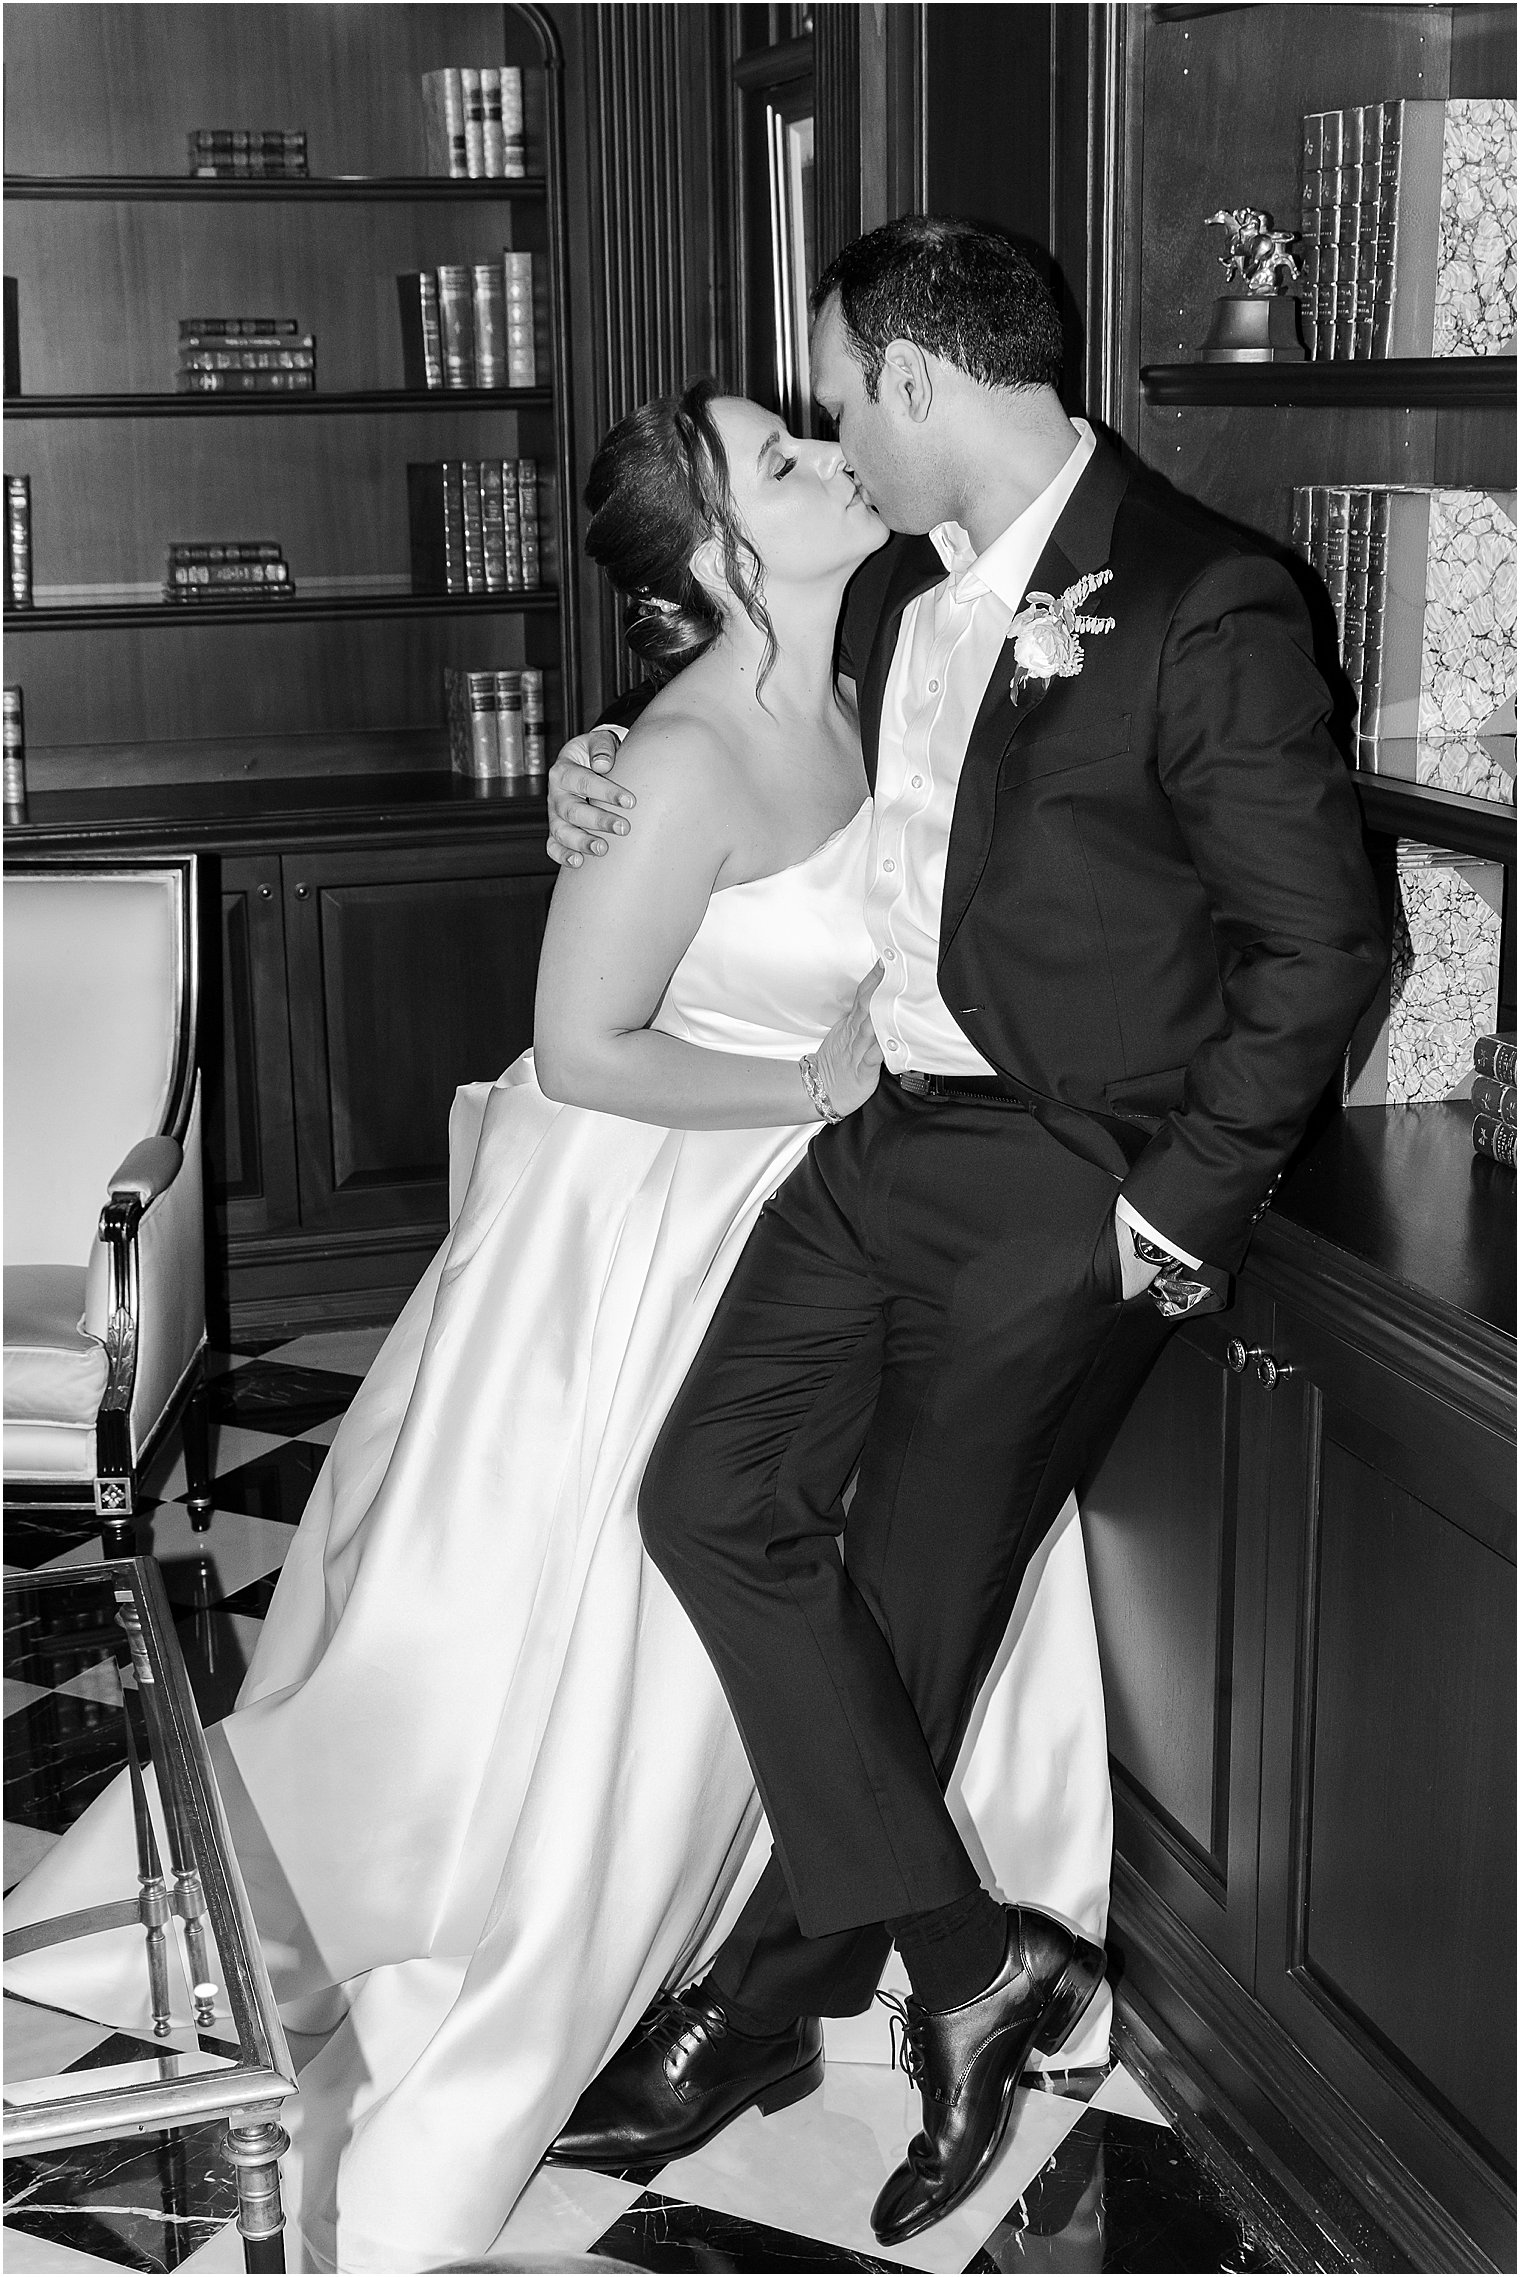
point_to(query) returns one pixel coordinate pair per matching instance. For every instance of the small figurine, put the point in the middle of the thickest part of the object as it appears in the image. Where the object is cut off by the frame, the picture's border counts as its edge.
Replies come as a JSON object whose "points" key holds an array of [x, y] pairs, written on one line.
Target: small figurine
{"points": [[1258, 255], [1255, 319]]}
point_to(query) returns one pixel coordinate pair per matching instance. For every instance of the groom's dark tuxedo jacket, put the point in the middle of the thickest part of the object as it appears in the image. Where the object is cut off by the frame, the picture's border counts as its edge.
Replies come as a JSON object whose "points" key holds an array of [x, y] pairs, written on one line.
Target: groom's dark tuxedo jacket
{"points": [[1157, 908]]}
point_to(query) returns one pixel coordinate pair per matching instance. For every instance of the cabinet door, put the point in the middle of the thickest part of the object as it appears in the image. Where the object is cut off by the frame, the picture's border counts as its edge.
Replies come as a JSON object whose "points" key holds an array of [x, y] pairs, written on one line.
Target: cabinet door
{"points": [[1387, 1923], [410, 973], [249, 1125], [1177, 1554]]}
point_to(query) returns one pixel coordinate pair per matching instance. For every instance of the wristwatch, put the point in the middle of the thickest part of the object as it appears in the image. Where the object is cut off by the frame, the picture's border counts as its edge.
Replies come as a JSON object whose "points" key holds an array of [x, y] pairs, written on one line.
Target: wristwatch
{"points": [[1174, 1291]]}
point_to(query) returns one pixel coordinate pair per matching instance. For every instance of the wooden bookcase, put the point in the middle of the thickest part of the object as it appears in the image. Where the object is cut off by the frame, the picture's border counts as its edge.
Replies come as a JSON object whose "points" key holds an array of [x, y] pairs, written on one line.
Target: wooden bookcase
{"points": [[371, 924], [112, 242], [1304, 1573]]}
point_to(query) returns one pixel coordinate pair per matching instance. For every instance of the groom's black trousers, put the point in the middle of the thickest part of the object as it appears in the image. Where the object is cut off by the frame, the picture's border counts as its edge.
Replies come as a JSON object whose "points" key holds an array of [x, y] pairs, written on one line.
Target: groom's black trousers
{"points": [[934, 1294]]}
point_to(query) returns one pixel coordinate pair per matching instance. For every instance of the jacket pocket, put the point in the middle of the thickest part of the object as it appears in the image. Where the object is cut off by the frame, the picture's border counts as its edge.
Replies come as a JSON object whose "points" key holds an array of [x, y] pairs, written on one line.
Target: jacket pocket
{"points": [[1030, 758], [1149, 1096]]}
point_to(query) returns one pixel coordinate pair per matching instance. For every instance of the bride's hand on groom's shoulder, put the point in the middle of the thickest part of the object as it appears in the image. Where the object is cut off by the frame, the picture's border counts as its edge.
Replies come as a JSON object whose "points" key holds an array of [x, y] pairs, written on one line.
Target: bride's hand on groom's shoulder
{"points": [[585, 809], [849, 1058]]}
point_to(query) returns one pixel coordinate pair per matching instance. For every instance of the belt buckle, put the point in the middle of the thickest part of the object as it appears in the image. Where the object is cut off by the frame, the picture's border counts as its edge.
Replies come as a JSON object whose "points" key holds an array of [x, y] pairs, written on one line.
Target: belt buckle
{"points": [[912, 1079]]}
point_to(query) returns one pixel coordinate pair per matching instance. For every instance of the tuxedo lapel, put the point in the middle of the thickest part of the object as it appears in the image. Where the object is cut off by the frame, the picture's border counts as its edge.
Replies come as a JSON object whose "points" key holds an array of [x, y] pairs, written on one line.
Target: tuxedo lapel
{"points": [[1079, 544], [916, 568]]}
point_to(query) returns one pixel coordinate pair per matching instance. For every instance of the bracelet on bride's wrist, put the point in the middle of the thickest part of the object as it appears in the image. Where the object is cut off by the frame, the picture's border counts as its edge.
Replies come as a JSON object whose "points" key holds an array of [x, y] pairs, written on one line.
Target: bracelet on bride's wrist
{"points": [[813, 1084]]}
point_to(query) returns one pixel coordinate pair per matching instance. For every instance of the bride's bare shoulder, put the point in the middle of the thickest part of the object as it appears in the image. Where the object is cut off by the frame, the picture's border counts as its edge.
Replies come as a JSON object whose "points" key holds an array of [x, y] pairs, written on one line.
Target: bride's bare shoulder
{"points": [[677, 756]]}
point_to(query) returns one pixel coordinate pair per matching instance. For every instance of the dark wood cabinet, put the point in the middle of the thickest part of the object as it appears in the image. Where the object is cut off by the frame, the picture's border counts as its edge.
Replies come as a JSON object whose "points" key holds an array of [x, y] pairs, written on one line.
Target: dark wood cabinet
{"points": [[250, 1132], [1303, 1559]]}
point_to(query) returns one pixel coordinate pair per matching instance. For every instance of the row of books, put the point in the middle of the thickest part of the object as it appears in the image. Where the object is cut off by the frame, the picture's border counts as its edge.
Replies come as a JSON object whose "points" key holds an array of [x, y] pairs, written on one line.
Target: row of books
{"points": [[13, 743], [474, 525], [496, 723], [1494, 1098], [231, 569], [1409, 230], [245, 355], [1415, 1041], [18, 541], [1422, 582], [238, 153], [469, 324], [473, 122]]}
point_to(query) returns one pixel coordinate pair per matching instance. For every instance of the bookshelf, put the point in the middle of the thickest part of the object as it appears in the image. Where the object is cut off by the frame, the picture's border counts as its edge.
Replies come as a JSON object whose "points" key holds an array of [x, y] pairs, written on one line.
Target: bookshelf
{"points": [[371, 923], [1304, 1587]]}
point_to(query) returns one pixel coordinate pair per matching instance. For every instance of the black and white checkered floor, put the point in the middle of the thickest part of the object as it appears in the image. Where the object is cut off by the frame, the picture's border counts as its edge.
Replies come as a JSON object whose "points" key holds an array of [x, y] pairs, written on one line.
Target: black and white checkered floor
{"points": [[1092, 2179]]}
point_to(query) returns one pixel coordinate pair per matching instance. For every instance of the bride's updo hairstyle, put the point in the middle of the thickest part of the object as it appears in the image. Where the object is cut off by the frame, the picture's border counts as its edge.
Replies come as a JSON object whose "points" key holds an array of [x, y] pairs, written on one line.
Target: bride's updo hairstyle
{"points": [[658, 490]]}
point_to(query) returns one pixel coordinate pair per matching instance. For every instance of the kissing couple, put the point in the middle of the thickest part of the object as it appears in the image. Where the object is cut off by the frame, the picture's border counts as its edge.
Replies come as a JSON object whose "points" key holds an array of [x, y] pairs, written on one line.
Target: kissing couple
{"points": [[972, 919]]}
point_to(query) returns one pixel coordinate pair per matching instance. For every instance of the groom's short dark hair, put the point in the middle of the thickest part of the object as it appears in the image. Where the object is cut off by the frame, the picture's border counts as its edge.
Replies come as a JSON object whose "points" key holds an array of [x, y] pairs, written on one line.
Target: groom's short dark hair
{"points": [[957, 290]]}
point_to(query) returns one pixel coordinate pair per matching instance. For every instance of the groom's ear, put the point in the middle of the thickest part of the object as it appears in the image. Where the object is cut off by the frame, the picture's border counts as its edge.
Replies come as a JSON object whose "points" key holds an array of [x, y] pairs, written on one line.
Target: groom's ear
{"points": [[907, 385]]}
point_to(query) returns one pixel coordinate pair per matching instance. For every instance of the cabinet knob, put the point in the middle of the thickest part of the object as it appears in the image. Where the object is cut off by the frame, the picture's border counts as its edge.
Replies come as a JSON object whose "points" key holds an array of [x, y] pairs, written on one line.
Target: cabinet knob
{"points": [[301, 892], [1238, 1356], [1270, 1371], [266, 893]]}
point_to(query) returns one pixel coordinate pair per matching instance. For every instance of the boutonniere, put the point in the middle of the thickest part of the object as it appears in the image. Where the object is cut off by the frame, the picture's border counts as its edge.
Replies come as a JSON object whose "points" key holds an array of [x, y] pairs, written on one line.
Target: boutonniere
{"points": [[1046, 633]]}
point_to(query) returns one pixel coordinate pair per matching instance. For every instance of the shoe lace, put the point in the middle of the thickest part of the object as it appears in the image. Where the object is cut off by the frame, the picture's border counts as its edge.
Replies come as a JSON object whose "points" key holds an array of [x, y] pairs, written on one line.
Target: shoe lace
{"points": [[670, 2022], [907, 2035]]}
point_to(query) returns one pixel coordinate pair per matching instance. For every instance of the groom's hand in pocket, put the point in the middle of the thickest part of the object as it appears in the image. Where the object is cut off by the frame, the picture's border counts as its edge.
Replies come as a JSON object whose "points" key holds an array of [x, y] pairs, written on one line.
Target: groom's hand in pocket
{"points": [[1135, 1273], [586, 808]]}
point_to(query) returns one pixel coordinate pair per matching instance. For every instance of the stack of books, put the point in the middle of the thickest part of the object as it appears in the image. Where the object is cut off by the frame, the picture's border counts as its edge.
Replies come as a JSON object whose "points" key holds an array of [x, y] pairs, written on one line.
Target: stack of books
{"points": [[1442, 988], [238, 569], [245, 355], [1409, 230], [13, 726], [1493, 1098], [474, 525], [18, 540], [239, 153], [473, 120], [469, 325], [496, 724], [1422, 583]]}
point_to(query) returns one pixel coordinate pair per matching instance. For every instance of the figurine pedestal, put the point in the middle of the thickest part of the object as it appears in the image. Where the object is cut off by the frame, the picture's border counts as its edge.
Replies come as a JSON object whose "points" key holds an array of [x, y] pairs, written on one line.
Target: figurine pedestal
{"points": [[1254, 329]]}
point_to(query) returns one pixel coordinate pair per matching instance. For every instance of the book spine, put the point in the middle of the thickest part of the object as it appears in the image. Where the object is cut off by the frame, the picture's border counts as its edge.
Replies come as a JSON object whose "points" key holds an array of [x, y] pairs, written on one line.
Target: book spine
{"points": [[493, 526], [1494, 1056], [1303, 517], [421, 337], [1496, 1140], [534, 755], [244, 348], [474, 533], [490, 314], [491, 134], [517, 283], [1369, 691], [228, 573], [443, 123], [1347, 222], [474, 124], [237, 327], [485, 761], [457, 719], [1385, 229], [225, 549], [1414, 236], [13, 735], [437, 542], [1338, 526], [511, 754], [1358, 551], [1311, 213], [1369, 132], [513, 147], [1496, 1099], [457, 325], [1327, 291], [244, 383], [511, 518], [18, 532], [247, 359], [12, 338], [527, 507]]}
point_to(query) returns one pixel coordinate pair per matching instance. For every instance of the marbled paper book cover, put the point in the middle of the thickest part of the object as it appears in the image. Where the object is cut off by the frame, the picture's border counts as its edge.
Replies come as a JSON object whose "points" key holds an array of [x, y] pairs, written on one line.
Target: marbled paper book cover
{"points": [[1442, 990], [1475, 263]]}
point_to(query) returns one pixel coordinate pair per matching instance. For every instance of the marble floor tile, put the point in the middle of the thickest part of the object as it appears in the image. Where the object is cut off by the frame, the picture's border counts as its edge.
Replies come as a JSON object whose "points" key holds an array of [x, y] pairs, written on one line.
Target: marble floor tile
{"points": [[232, 1444], [275, 1486], [218, 1647], [344, 1351], [220, 2256], [564, 2210], [101, 1682], [816, 2169], [322, 1434], [40, 2042], [24, 1846], [664, 2233], [143, 2203], [267, 1397], [252, 1601], [207, 1569], [1124, 2194], [18, 1693], [35, 1538], [60, 1752]]}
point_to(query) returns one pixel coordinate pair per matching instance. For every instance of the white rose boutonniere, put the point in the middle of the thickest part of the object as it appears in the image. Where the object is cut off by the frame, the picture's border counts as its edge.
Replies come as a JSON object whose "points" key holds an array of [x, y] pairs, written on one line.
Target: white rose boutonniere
{"points": [[1046, 634]]}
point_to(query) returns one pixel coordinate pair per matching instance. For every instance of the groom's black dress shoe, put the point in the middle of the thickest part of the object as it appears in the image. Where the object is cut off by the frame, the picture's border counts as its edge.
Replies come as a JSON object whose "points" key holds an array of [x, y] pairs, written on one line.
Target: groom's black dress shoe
{"points": [[966, 2063], [679, 2079]]}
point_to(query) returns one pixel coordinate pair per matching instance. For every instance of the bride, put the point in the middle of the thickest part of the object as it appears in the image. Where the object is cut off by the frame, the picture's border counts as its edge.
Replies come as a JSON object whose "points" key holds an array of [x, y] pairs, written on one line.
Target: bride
{"points": [[484, 1786]]}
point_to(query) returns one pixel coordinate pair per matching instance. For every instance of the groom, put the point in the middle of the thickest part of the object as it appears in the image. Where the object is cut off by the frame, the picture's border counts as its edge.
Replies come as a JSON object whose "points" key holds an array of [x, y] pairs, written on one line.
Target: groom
{"points": [[1126, 928]]}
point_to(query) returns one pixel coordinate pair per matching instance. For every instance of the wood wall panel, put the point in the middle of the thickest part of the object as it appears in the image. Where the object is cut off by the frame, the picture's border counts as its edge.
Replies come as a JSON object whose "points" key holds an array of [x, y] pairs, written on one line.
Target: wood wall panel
{"points": [[245, 1055], [836, 92]]}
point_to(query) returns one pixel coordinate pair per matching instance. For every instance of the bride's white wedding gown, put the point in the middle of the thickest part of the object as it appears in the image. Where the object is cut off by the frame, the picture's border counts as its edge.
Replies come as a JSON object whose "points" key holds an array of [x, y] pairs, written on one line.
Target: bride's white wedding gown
{"points": [[481, 1777]]}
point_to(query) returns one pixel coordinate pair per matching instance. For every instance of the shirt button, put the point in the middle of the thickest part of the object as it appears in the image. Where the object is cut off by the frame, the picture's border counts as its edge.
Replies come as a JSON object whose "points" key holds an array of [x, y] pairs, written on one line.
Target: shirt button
{"points": [[889, 864], [918, 782], [889, 956], [934, 687], [893, 1045]]}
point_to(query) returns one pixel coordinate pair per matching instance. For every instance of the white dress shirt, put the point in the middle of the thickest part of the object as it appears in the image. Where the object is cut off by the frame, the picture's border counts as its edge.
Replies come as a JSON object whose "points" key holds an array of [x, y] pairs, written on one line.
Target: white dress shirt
{"points": [[950, 642]]}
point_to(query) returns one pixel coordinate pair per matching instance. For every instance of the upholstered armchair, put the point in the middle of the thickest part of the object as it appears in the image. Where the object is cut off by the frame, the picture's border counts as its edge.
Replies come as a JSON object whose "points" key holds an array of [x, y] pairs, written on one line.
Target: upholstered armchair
{"points": [[105, 1297]]}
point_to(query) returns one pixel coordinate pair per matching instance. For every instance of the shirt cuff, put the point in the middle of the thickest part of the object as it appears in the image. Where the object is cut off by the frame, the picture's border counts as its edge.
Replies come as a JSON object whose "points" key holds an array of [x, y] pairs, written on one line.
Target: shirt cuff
{"points": [[1137, 1224]]}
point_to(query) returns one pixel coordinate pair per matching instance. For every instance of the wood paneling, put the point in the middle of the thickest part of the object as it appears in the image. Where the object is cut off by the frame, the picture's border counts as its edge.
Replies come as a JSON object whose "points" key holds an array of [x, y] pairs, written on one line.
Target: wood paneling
{"points": [[987, 124], [836, 89], [410, 974], [249, 1125]]}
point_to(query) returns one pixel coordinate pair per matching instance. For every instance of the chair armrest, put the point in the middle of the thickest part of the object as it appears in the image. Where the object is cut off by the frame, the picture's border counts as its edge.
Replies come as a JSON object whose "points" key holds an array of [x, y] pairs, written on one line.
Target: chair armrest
{"points": [[150, 1168]]}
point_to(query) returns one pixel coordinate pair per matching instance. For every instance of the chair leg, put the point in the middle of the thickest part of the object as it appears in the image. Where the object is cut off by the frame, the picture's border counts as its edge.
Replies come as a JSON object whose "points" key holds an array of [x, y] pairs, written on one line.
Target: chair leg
{"points": [[198, 1457]]}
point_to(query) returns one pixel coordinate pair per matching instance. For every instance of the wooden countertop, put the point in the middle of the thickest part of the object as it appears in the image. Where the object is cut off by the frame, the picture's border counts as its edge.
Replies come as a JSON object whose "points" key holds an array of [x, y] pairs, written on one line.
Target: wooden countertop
{"points": [[233, 816]]}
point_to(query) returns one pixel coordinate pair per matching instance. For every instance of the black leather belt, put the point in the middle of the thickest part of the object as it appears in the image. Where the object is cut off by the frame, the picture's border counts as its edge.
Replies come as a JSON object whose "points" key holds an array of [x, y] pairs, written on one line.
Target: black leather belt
{"points": [[990, 1090]]}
